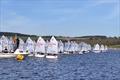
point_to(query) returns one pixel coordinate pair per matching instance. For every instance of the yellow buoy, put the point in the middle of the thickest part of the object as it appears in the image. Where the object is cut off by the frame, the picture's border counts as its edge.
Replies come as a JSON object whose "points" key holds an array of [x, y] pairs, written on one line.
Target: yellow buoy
{"points": [[19, 57]]}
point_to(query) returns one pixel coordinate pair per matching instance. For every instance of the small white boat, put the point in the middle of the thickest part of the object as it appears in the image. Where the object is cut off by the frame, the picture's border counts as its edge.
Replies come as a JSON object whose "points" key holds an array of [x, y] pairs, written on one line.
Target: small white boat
{"points": [[41, 55], [76, 47], [67, 47], [52, 56], [71, 48], [60, 47], [21, 45], [0, 45], [80, 52], [5, 48], [30, 54], [29, 46], [10, 45], [40, 47], [84, 47], [66, 52], [96, 48], [4, 42], [52, 48], [20, 52], [102, 48], [106, 48], [7, 55]]}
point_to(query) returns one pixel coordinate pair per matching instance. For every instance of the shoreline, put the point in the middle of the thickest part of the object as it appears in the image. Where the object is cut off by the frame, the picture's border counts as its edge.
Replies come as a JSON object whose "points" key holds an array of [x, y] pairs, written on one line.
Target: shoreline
{"points": [[114, 48]]}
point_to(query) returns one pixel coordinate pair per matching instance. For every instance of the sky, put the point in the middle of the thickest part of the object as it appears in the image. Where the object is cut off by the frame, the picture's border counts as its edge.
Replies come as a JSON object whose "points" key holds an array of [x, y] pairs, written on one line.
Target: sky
{"points": [[61, 17]]}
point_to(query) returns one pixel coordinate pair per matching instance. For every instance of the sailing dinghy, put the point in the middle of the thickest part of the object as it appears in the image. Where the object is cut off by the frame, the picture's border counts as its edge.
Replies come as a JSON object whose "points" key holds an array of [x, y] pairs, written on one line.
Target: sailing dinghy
{"points": [[40, 47], [52, 48]]}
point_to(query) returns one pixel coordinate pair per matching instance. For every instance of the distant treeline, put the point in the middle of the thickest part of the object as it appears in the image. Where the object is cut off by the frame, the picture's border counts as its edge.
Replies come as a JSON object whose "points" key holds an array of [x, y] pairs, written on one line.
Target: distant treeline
{"points": [[88, 39]]}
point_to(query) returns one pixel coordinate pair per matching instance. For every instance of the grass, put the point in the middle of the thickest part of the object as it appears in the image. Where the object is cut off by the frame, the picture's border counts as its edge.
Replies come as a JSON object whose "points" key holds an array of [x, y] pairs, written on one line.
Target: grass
{"points": [[115, 46]]}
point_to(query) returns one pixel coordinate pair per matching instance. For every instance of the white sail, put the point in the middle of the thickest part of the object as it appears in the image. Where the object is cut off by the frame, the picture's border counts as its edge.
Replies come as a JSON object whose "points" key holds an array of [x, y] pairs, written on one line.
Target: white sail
{"points": [[83, 46], [106, 48], [89, 47], [10, 45], [71, 48], [76, 47], [60, 46], [4, 41], [102, 48], [52, 46], [67, 46], [29, 45], [96, 48], [0, 45], [21, 45], [40, 45]]}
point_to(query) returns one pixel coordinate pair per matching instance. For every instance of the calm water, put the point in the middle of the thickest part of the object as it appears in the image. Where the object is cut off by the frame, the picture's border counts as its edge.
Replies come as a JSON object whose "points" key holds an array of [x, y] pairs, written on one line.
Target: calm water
{"points": [[91, 66]]}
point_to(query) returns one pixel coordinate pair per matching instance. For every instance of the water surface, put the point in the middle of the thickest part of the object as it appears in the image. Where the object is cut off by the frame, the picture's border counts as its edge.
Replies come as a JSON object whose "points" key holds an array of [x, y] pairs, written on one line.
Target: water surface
{"points": [[103, 66]]}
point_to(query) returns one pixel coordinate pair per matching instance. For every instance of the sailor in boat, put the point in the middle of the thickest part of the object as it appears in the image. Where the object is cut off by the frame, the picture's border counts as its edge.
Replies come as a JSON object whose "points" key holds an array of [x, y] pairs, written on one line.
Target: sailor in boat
{"points": [[5, 50]]}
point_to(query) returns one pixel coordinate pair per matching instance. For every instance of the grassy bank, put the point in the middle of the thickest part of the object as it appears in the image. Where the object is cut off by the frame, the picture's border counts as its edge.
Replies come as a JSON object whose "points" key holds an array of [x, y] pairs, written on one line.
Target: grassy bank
{"points": [[115, 46]]}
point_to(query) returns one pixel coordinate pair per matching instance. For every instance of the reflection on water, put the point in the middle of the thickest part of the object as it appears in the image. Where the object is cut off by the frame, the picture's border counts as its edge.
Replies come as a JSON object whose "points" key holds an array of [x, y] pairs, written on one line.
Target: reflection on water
{"points": [[104, 66]]}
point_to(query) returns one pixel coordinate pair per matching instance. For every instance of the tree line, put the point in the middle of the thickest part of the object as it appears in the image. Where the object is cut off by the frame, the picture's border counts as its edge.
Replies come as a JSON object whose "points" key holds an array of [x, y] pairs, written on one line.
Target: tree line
{"points": [[88, 39]]}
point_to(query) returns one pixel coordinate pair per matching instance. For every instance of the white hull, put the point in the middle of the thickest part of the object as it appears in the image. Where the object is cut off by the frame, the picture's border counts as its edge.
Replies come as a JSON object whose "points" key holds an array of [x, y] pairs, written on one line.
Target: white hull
{"points": [[66, 52], [85, 51], [30, 55], [19, 52], [24, 53], [80, 52], [103, 51], [39, 55], [96, 51], [7, 55], [52, 56]]}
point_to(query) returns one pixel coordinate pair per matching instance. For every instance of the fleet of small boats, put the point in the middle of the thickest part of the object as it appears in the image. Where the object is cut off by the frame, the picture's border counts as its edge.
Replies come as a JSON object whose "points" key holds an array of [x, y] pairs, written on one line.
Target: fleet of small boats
{"points": [[47, 49]]}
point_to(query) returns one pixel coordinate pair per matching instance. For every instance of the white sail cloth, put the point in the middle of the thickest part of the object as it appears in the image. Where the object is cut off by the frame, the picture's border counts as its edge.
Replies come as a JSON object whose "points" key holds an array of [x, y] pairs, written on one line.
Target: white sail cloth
{"points": [[40, 45], [10, 45], [4, 42], [60, 46], [52, 46], [21, 45], [29, 45]]}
